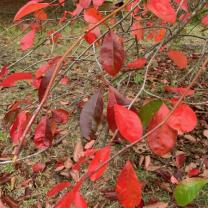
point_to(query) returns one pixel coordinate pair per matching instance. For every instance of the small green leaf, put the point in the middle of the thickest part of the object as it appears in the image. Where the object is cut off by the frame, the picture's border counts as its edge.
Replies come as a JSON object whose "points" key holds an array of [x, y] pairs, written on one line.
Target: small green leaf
{"points": [[148, 111], [188, 189]]}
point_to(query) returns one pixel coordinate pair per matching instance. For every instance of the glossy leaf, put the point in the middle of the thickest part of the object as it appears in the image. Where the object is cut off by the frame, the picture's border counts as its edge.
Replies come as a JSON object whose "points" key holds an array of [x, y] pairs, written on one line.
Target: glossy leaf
{"points": [[18, 126], [179, 58], [137, 30], [179, 90], [128, 187], [162, 140], [137, 64], [188, 189], [100, 157], [57, 188], [183, 119], [11, 80], [114, 97], [148, 111], [28, 8], [163, 10], [112, 53], [92, 16], [28, 40], [91, 112], [128, 123], [43, 134], [60, 116]]}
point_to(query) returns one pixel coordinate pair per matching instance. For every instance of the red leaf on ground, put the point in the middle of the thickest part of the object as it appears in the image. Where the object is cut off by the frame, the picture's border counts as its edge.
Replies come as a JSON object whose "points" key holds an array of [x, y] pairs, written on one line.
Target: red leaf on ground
{"points": [[137, 63], [40, 15], [57, 188], [157, 35], [180, 159], [112, 53], [38, 167], [60, 116], [28, 8], [179, 90], [18, 126], [194, 172], [92, 16], [162, 140], [65, 80], [179, 58], [28, 40], [183, 119], [137, 30], [43, 134], [101, 156], [79, 201], [11, 80], [204, 20], [91, 36], [128, 187], [128, 123], [162, 9]]}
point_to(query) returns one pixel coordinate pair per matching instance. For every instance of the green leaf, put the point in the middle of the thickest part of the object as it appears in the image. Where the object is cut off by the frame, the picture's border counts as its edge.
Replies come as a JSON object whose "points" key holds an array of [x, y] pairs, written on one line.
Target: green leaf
{"points": [[188, 189], [148, 111]]}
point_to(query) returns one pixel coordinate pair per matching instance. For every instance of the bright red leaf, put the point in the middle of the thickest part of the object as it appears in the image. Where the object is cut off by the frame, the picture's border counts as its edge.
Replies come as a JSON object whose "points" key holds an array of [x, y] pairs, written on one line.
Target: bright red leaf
{"points": [[194, 172], [137, 30], [43, 134], [28, 40], [162, 140], [11, 80], [128, 123], [179, 58], [28, 8], [137, 64], [92, 16], [38, 167], [204, 20], [179, 90], [79, 201], [57, 188], [60, 116], [183, 119], [101, 156], [128, 187], [112, 53], [162, 9], [157, 35], [40, 15], [18, 126]]}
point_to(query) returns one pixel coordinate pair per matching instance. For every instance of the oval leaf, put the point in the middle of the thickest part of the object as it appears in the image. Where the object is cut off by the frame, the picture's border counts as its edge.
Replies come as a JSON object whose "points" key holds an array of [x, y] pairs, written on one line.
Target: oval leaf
{"points": [[128, 123], [137, 64], [128, 187], [60, 116], [28, 40]]}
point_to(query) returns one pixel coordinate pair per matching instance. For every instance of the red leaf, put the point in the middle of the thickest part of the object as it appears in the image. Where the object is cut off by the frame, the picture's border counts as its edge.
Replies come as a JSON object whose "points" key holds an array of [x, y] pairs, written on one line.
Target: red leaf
{"points": [[98, 3], [60, 116], [92, 16], [179, 90], [128, 187], [184, 5], [180, 159], [38, 167], [79, 201], [162, 9], [40, 15], [128, 123], [18, 126], [179, 58], [183, 119], [43, 134], [85, 3], [92, 111], [137, 30], [57, 188], [101, 156], [157, 35], [162, 140], [13, 78], [204, 20], [4, 71], [194, 172], [114, 97], [112, 53], [65, 80], [137, 63], [28, 8], [28, 40]]}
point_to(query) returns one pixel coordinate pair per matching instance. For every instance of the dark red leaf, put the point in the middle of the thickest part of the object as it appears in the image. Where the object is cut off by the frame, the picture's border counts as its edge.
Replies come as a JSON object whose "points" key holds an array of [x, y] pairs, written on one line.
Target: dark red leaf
{"points": [[92, 16], [28, 8], [162, 140], [43, 134], [101, 156], [128, 123], [57, 188], [112, 53], [28, 40], [194, 172], [11, 80], [128, 187], [180, 159], [18, 126], [60, 116], [38, 167], [92, 111], [137, 64]]}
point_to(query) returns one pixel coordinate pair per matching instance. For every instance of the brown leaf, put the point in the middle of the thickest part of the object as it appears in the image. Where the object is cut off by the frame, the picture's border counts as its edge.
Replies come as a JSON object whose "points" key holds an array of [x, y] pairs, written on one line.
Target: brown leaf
{"points": [[78, 150]]}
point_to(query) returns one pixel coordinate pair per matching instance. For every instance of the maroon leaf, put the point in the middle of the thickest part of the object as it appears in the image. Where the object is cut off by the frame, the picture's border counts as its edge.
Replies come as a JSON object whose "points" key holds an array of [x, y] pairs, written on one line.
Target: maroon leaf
{"points": [[60, 116], [112, 53], [43, 133], [101, 156], [91, 112]]}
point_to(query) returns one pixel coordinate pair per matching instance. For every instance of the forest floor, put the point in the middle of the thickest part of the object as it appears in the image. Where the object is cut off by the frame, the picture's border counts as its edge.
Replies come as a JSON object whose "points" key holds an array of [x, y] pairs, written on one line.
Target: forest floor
{"points": [[21, 186]]}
